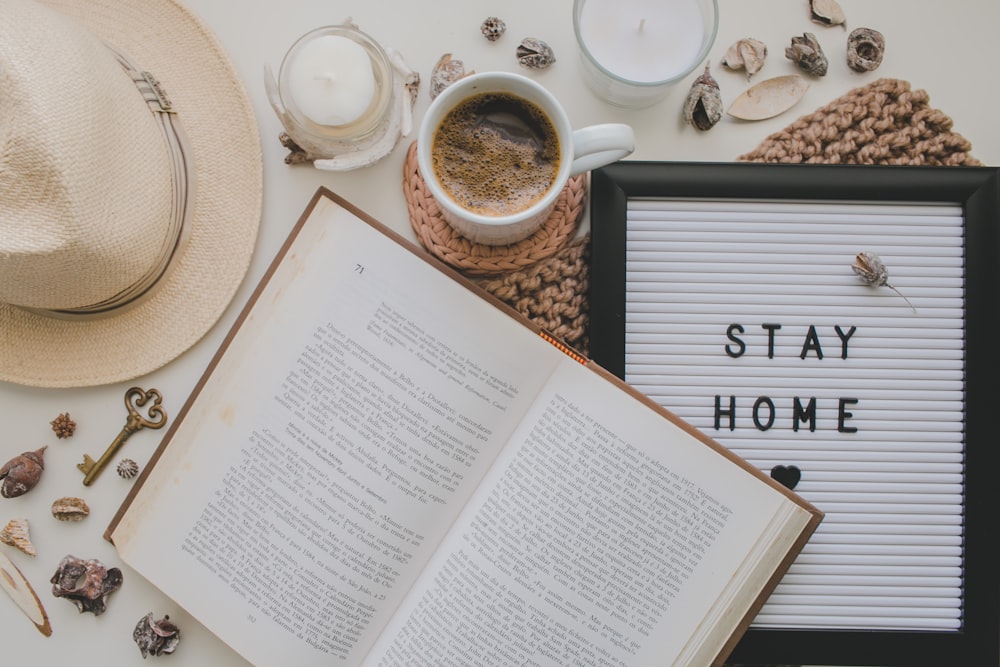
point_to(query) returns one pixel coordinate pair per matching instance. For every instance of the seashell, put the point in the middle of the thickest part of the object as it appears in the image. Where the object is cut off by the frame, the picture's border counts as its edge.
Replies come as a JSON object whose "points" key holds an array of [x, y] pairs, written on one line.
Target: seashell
{"points": [[865, 48], [493, 28], [21, 473], [827, 12], [703, 105], [746, 54], [15, 533], [769, 98], [446, 72], [155, 637], [70, 509], [533, 53], [806, 52], [86, 583], [127, 468]]}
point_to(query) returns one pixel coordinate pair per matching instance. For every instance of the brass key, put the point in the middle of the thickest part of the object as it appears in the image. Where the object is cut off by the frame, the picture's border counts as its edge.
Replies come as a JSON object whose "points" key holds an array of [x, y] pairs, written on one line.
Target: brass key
{"points": [[157, 418]]}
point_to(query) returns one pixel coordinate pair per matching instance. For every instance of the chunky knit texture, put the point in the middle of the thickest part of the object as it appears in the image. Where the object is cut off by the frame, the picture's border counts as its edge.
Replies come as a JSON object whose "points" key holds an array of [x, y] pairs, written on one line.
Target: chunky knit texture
{"points": [[546, 277]]}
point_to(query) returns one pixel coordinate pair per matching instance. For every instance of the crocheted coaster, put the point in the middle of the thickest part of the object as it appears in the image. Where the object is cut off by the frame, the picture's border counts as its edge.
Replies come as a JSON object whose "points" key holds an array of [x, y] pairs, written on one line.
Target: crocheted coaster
{"points": [[478, 259], [884, 122]]}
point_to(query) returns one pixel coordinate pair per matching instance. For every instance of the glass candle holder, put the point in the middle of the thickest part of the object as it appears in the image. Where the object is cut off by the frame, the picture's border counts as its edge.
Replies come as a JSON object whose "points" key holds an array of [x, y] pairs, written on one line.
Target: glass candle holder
{"points": [[340, 98], [633, 51]]}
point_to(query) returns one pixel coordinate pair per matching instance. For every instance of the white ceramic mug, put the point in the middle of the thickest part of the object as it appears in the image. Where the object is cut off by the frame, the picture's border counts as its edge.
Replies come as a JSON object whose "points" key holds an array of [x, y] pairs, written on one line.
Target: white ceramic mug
{"points": [[579, 151]]}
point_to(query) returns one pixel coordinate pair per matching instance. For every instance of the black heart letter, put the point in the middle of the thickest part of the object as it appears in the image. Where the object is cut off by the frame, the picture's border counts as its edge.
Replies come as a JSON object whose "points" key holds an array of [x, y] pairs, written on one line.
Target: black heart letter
{"points": [[787, 475]]}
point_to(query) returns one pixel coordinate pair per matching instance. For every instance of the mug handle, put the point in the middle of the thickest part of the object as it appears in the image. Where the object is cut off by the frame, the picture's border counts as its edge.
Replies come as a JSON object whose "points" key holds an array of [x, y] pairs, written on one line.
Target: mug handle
{"points": [[598, 145]]}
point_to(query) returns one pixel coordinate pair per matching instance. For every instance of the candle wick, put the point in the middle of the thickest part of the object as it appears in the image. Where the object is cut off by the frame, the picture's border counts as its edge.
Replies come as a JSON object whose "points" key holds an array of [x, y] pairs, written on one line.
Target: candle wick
{"points": [[642, 24], [329, 76]]}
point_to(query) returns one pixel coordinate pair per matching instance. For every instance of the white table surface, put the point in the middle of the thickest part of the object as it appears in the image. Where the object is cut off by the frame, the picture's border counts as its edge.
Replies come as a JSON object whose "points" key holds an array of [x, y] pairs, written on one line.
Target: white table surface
{"points": [[942, 47]]}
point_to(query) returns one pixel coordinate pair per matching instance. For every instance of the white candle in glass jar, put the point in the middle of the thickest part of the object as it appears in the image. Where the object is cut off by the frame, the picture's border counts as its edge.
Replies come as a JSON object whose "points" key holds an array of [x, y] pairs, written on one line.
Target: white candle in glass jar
{"points": [[331, 80], [633, 49]]}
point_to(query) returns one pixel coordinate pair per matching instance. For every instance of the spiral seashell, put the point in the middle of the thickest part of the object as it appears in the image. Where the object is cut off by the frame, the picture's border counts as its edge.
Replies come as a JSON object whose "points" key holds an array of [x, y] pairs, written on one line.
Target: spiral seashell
{"points": [[21, 473], [15, 533]]}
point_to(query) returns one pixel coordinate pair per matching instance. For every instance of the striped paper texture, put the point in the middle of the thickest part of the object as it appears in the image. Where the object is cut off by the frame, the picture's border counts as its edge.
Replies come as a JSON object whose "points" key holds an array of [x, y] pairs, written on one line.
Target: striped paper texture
{"points": [[755, 305]]}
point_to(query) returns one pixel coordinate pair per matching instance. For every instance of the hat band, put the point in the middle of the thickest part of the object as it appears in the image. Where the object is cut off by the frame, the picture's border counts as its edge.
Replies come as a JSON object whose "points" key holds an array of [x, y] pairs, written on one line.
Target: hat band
{"points": [[180, 208]]}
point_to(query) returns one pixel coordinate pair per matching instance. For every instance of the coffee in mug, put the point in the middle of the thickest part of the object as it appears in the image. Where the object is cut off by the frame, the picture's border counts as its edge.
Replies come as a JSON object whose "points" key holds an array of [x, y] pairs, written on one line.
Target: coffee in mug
{"points": [[496, 153], [496, 149]]}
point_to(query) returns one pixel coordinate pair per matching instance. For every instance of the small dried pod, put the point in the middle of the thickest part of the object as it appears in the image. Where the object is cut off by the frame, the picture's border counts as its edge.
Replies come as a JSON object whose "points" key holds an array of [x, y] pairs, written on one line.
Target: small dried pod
{"points": [[15, 533], [533, 53], [127, 468], [86, 583], [493, 28], [447, 71], [703, 106], [21, 473], [873, 272], [63, 426], [865, 48], [827, 12], [806, 52], [746, 54], [70, 509], [156, 637]]}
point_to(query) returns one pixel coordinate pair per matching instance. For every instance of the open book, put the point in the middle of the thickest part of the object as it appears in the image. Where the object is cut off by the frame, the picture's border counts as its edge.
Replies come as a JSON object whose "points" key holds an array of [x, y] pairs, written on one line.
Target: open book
{"points": [[384, 466]]}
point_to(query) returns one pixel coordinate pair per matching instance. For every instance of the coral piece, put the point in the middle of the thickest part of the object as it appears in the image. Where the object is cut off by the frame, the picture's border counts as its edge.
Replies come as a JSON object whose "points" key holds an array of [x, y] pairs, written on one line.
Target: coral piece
{"points": [[127, 468], [15, 533], [493, 28], [21, 473], [535, 54], [86, 583], [156, 637], [70, 509], [446, 72], [63, 426], [703, 106]]}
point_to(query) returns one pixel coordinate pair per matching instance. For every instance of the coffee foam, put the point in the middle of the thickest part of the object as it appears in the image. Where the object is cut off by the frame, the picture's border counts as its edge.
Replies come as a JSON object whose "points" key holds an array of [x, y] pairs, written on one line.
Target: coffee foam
{"points": [[496, 154]]}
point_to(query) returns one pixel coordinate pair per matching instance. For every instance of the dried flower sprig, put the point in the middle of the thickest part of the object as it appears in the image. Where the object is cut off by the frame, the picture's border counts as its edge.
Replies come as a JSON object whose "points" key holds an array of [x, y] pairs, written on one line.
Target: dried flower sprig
{"points": [[873, 272]]}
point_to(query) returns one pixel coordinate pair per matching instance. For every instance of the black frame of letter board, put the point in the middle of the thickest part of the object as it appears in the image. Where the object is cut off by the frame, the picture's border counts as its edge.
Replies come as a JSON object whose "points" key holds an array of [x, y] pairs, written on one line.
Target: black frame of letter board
{"points": [[977, 190]]}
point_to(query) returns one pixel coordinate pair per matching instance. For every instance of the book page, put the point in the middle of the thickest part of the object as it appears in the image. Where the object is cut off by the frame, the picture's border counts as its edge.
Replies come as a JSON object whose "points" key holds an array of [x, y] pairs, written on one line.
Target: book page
{"points": [[353, 414], [604, 535]]}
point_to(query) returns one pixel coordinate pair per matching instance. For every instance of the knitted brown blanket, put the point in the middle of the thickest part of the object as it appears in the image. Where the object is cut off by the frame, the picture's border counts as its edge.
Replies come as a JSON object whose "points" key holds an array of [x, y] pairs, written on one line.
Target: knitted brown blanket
{"points": [[884, 122]]}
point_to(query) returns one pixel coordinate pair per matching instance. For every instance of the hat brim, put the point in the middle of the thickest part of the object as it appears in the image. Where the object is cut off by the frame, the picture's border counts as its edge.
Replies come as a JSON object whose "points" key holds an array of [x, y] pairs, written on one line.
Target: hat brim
{"points": [[218, 119]]}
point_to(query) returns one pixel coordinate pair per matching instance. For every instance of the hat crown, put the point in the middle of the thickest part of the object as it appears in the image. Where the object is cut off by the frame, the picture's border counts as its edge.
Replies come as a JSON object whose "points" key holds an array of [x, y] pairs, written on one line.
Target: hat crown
{"points": [[85, 172]]}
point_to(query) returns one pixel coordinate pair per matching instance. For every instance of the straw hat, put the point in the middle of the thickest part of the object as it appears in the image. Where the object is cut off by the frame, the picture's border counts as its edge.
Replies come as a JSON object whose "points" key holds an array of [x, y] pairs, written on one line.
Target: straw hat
{"points": [[130, 187]]}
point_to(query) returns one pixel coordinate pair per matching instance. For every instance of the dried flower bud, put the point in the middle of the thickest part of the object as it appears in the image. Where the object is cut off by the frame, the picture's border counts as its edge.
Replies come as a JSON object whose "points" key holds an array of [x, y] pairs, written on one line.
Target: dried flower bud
{"points": [[155, 637], [865, 48], [872, 270], [493, 28], [703, 106], [746, 54], [63, 426], [21, 473], [827, 12], [535, 54], [806, 52]]}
